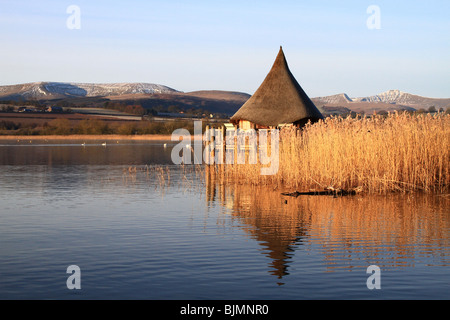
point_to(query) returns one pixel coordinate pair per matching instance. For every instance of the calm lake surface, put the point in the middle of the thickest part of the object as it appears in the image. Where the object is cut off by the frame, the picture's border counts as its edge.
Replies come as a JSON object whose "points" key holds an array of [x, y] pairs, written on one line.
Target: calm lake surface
{"points": [[139, 233]]}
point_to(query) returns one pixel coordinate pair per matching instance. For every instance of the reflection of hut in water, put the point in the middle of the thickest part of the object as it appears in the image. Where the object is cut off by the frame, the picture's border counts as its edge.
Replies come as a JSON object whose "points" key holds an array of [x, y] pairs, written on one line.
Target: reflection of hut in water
{"points": [[279, 101], [350, 232], [278, 234]]}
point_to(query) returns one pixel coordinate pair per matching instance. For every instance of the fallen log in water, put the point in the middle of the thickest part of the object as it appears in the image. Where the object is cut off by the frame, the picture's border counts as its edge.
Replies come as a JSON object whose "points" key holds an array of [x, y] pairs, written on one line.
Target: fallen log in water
{"points": [[330, 191]]}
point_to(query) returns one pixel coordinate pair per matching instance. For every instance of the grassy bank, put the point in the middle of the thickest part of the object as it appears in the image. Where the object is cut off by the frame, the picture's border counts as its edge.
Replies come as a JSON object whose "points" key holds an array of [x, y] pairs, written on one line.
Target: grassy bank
{"points": [[380, 154]]}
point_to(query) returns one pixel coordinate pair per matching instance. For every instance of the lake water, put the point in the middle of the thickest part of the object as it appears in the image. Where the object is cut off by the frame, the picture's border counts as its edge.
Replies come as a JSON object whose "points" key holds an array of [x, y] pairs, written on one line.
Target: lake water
{"points": [[138, 233]]}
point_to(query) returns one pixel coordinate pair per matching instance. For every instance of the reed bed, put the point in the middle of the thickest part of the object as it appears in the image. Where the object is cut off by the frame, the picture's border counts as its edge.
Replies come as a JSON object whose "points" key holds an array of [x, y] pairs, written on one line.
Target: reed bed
{"points": [[399, 152]]}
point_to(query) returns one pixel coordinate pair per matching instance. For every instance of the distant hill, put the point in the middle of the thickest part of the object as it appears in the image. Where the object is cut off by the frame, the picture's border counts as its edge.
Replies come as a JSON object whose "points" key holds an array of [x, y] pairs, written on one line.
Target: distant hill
{"points": [[219, 102], [387, 101], [150, 96], [60, 90], [403, 98], [341, 98], [163, 98], [220, 95]]}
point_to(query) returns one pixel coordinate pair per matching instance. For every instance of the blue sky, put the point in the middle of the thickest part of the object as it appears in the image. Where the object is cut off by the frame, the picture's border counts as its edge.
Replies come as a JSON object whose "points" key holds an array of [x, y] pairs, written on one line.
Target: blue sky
{"points": [[230, 45]]}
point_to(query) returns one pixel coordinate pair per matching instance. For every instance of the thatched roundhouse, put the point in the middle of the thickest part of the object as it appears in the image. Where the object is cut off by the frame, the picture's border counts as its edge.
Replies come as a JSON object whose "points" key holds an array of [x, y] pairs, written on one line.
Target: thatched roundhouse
{"points": [[279, 101]]}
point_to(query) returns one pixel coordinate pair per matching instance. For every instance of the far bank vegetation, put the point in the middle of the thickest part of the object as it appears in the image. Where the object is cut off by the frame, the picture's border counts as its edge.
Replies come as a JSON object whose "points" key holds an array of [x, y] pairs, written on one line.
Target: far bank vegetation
{"points": [[63, 126]]}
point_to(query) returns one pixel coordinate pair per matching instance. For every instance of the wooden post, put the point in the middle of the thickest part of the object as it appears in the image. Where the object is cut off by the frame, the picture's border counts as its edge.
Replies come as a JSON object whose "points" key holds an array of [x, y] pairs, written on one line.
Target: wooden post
{"points": [[213, 147], [222, 146], [206, 144]]}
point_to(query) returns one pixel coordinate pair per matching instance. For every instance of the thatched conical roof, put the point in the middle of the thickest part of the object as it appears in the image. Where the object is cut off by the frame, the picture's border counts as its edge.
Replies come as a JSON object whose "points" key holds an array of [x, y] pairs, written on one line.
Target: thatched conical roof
{"points": [[278, 100]]}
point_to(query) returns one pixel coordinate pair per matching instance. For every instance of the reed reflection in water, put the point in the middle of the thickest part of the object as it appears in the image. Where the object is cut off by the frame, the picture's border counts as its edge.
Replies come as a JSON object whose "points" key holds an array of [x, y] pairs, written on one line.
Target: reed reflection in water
{"points": [[348, 232]]}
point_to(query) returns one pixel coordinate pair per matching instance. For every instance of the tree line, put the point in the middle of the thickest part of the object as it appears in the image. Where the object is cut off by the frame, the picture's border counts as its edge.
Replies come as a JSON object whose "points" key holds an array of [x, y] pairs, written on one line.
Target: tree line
{"points": [[63, 126]]}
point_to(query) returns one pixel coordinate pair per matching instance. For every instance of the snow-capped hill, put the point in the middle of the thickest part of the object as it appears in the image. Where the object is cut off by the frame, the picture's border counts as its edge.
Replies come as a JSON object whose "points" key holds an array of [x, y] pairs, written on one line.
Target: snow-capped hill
{"points": [[63, 89], [391, 100], [105, 89], [334, 99], [33, 91], [403, 98], [113, 89], [391, 96], [52, 90]]}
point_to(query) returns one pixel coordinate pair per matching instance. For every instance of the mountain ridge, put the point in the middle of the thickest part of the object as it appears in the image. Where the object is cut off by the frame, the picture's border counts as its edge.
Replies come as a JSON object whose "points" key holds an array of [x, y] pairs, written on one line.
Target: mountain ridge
{"points": [[214, 100], [58, 90], [390, 100]]}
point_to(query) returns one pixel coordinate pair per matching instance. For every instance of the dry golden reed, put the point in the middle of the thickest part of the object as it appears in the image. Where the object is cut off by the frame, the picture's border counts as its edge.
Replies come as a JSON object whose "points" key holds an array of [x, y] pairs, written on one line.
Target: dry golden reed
{"points": [[399, 152]]}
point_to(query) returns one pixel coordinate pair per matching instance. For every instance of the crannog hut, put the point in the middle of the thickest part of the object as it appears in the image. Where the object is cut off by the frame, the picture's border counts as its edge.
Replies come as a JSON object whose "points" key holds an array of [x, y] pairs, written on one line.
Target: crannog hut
{"points": [[279, 101]]}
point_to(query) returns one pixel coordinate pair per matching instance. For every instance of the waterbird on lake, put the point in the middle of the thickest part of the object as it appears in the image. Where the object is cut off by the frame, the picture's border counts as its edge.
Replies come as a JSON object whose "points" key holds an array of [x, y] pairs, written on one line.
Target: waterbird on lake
{"points": [[104, 144]]}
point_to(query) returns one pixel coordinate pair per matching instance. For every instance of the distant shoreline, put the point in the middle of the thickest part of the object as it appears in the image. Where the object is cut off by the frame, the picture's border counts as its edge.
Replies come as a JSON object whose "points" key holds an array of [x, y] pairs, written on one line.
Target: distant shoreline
{"points": [[147, 137], [106, 137]]}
